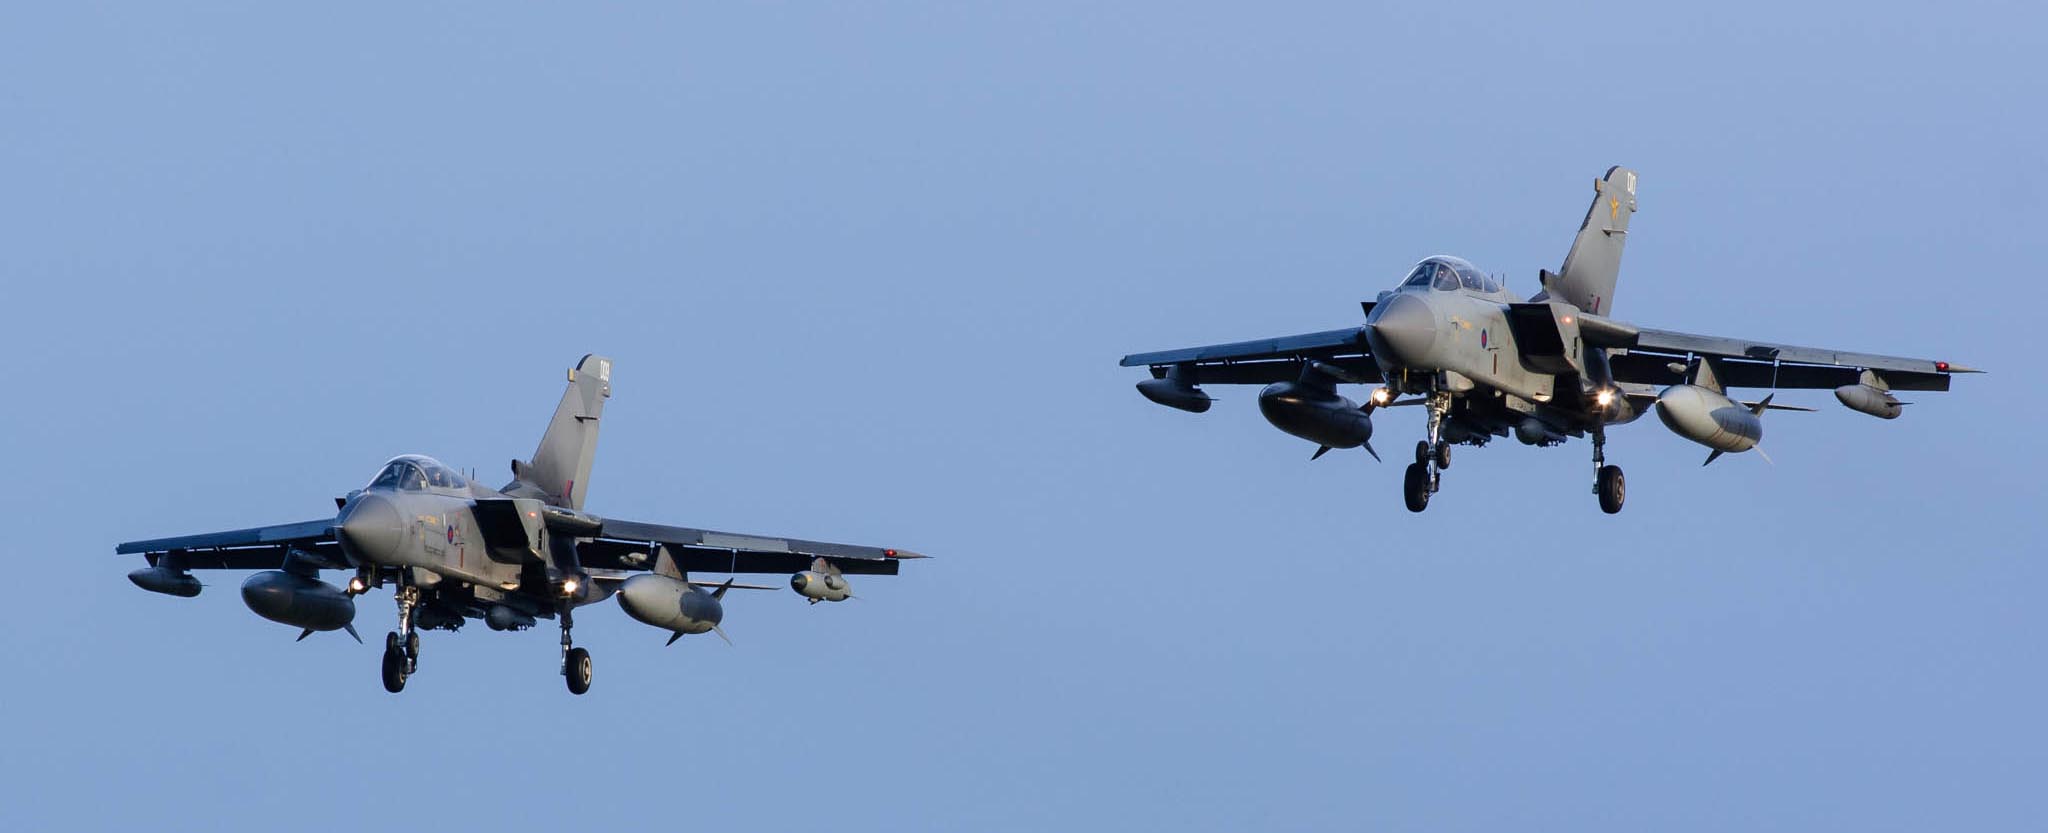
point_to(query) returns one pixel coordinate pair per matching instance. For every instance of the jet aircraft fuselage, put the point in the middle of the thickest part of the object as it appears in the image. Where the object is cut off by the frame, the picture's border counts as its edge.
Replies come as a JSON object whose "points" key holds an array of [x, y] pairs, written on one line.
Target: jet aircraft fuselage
{"points": [[1484, 363], [418, 513], [456, 550], [1448, 325]]}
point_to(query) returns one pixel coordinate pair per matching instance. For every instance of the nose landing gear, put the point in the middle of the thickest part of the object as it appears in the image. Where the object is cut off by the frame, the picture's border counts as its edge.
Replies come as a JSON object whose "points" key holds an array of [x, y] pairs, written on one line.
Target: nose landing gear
{"points": [[402, 646], [1432, 456]]}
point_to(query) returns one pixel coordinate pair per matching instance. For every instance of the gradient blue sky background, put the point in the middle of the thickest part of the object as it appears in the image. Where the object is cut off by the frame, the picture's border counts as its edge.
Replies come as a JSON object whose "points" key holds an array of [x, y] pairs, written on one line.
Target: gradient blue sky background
{"points": [[866, 270]]}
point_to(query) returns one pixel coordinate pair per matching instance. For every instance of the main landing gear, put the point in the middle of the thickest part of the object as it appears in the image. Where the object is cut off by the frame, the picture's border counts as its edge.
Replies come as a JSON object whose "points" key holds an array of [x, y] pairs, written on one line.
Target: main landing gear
{"points": [[1607, 480], [1432, 456], [575, 661], [402, 646]]}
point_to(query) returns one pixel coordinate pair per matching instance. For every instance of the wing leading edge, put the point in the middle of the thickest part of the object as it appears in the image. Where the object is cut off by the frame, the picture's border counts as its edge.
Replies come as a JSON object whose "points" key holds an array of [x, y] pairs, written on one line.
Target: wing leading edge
{"points": [[255, 548], [1327, 341], [1266, 360], [277, 534]]}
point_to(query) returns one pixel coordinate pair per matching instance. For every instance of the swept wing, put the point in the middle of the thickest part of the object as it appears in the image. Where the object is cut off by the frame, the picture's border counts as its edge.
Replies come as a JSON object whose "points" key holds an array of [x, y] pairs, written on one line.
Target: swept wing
{"points": [[255, 548], [1267, 360], [630, 545], [1761, 364]]}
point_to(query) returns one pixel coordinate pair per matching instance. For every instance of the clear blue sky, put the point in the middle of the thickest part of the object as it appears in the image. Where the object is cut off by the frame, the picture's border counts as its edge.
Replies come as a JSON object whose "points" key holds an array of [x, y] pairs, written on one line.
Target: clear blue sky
{"points": [[866, 270]]}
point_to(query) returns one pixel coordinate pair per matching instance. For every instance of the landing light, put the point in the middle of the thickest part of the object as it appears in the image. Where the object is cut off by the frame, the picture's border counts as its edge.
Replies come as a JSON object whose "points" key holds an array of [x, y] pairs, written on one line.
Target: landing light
{"points": [[356, 585], [1380, 396], [569, 586], [1604, 398]]}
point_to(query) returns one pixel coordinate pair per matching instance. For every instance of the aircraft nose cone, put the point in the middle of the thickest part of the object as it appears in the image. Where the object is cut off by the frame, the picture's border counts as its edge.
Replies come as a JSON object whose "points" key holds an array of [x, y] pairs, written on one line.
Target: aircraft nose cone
{"points": [[371, 531], [1404, 329]]}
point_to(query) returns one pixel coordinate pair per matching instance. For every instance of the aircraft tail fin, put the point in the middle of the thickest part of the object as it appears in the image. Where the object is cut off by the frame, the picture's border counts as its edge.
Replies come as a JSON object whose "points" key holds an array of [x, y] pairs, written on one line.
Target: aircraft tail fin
{"points": [[1593, 265], [560, 467]]}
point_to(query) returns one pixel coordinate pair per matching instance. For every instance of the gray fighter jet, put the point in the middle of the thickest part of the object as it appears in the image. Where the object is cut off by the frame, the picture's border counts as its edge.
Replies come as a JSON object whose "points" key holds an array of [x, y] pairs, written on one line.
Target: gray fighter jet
{"points": [[1487, 364], [454, 551]]}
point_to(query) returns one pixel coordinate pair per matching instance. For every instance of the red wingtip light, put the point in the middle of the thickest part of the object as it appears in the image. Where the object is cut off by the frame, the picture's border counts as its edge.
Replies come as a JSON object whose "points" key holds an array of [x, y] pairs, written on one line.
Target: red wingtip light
{"points": [[888, 553], [1941, 366]]}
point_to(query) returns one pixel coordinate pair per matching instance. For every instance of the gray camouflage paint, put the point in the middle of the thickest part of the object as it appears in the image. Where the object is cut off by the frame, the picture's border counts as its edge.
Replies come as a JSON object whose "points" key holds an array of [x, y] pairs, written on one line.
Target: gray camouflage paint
{"points": [[1489, 364], [507, 556]]}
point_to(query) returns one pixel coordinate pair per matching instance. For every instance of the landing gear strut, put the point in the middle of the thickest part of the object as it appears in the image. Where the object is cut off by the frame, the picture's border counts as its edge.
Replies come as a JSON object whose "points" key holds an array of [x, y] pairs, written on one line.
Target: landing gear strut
{"points": [[402, 646], [1607, 480], [575, 661], [1432, 456]]}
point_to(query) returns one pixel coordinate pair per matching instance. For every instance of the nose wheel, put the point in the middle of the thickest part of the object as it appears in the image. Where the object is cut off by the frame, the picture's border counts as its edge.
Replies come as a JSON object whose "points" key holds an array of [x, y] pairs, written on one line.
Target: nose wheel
{"points": [[1432, 456], [1415, 487], [396, 665], [402, 646]]}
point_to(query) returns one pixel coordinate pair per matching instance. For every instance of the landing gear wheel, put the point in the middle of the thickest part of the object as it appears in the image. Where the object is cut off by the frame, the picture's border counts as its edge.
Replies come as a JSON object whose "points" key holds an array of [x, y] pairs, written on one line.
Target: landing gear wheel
{"points": [[394, 668], [576, 668], [1443, 455], [1421, 452], [1415, 487], [1613, 488], [391, 642], [412, 646]]}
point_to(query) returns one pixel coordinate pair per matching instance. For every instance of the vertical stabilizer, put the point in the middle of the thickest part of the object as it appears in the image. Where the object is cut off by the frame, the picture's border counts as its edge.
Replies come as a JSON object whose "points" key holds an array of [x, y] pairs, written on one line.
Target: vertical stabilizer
{"points": [[1594, 263], [560, 468]]}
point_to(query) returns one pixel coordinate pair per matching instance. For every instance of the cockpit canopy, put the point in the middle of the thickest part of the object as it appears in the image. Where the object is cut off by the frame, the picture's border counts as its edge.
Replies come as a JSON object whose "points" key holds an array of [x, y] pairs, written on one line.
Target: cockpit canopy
{"points": [[414, 473], [1450, 274]]}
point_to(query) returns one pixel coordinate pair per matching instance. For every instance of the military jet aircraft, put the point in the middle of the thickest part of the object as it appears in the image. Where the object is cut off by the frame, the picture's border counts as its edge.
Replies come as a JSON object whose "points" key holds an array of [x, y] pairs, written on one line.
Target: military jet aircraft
{"points": [[1487, 364], [454, 550]]}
